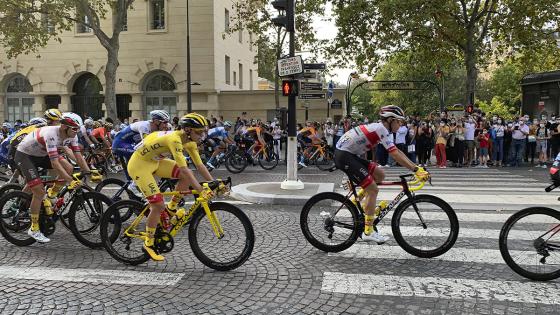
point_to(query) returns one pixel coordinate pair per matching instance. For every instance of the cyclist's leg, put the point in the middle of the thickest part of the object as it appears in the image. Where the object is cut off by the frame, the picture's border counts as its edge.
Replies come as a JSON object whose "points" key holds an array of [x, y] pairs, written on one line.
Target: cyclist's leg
{"points": [[169, 169], [142, 174], [55, 188]]}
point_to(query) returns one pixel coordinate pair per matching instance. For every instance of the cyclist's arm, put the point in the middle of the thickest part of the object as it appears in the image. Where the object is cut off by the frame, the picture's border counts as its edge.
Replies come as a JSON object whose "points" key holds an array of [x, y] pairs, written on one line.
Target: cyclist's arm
{"points": [[176, 149], [82, 162], [192, 150], [402, 159], [62, 174]]}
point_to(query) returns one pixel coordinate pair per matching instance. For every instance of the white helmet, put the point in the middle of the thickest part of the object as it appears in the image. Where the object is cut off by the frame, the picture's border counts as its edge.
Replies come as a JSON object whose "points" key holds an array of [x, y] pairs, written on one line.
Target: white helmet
{"points": [[39, 121], [160, 115], [88, 122], [74, 117]]}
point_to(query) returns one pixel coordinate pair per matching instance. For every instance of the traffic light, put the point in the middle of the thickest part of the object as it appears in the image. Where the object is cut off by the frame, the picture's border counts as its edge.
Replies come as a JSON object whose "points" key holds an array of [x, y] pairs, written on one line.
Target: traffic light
{"points": [[470, 109], [286, 20], [290, 87]]}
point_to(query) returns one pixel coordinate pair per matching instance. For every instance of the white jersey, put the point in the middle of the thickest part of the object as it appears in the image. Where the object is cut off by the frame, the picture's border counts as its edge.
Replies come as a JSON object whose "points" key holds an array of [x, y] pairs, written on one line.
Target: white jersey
{"points": [[361, 139], [46, 141]]}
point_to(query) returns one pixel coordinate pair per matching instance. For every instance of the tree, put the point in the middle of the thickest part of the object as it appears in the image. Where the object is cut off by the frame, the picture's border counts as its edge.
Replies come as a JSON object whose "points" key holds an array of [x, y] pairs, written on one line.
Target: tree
{"points": [[370, 30], [26, 26]]}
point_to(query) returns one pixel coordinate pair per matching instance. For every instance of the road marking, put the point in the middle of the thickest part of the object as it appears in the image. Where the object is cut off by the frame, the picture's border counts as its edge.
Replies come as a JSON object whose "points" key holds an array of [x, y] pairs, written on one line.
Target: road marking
{"points": [[432, 287], [463, 188], [91, 275], [467, 255], [501, 199]]}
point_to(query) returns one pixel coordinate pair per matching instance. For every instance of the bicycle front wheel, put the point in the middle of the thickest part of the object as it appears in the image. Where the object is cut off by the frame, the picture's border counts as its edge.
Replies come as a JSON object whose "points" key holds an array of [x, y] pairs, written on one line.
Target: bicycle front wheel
{"points": [[325, 161], [331, 222], [530, 243], [85, 217], [114, 222], [425, 226], [230, 251], [115, 189]]}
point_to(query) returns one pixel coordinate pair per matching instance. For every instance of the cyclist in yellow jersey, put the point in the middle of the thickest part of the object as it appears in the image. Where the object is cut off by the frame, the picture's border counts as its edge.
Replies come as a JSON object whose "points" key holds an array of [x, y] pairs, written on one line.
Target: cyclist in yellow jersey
{"points": [[151, 157]]}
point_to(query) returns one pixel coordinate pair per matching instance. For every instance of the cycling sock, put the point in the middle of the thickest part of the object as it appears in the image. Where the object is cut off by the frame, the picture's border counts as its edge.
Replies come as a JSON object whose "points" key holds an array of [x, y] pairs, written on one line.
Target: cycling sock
{"points": [[368, 229], [149, 241], [34, 222]]}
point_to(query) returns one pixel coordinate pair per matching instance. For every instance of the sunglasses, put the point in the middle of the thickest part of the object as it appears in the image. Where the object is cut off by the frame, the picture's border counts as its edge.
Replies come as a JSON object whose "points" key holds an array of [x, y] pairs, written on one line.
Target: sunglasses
{"points": [[75, 129]]}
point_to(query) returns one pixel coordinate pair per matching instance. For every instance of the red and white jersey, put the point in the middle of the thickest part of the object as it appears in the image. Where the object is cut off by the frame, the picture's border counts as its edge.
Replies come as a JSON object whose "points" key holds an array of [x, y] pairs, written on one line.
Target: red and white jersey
{"points": [[361, 139], [46, 141]]}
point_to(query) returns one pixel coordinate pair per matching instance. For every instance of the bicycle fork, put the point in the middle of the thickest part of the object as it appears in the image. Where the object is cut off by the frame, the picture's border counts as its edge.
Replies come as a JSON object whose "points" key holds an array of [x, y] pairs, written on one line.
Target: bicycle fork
{"points": [[214, 222]]}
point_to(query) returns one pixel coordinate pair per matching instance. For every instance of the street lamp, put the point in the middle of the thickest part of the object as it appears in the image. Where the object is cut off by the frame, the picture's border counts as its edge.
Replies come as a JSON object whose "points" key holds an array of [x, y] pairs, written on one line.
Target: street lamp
{"points": [[353, 75], [439, 74], [189, 91]]}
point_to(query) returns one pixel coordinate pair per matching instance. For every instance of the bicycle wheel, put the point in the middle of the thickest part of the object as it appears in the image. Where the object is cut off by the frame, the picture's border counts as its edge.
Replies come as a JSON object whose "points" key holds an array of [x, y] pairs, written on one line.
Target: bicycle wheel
{"points": [[7, 188], [326, 161], [236, 162], [16, 218], [113, 188], [331, 222], [432, 238], [269, 162], [85, 216], [121, 247], [230, 251], [530, 243]]}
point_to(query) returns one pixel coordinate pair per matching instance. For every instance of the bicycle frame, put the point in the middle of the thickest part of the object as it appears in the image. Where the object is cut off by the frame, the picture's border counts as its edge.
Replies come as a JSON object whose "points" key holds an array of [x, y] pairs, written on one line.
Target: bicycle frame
{"points": [[200, 201]]}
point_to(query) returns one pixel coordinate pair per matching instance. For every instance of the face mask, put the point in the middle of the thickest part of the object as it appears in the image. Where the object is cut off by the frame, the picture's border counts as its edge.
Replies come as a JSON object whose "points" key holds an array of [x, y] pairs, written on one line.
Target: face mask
{"points": [[471, 121], [522, 122], [494, 118], [542, 125], [553, 118], [442, 124], [453, 121], [535, 122], [510, 125], [485, 132], [543, 117], [499, 121]]}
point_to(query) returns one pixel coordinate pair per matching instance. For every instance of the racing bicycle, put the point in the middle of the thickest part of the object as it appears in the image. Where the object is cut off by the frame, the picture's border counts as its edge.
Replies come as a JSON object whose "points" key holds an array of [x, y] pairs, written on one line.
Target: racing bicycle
{"points": [[332, 222], [221, 236]]}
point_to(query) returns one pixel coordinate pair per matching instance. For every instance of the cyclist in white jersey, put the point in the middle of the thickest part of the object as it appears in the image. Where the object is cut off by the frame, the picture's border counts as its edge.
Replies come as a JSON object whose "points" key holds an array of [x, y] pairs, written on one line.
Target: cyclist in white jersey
{"points": [[355, 143], [40, 148]]}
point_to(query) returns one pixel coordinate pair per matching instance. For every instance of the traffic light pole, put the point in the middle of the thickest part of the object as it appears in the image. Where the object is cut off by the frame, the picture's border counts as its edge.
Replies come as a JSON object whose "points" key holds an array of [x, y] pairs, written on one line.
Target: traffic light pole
{"points": [[292, 182]]}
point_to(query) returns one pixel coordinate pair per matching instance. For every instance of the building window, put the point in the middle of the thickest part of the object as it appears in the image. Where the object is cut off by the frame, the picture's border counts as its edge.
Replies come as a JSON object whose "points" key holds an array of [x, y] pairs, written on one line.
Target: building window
{"points": [[241, 35], [19, 101], [240, 76], [226, 21], [81, 27], [234, 78], [47, 23], [157, 14], [250, 79], [159, 92], [228, 80]]}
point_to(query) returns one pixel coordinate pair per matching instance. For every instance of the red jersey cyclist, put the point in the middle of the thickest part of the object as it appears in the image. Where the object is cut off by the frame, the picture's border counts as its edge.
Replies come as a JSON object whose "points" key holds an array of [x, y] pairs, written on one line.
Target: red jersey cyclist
{"points": [[355, 143]]}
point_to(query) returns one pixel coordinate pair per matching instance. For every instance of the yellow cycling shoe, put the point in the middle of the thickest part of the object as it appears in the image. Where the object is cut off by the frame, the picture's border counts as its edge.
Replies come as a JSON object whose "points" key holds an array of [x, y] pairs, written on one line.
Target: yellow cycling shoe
{"points": [[152, 253]]}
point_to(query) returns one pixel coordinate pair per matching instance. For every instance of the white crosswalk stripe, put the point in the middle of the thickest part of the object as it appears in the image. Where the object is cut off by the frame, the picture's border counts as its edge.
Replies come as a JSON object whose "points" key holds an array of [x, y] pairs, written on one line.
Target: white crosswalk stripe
{"points": [[476, 195]]}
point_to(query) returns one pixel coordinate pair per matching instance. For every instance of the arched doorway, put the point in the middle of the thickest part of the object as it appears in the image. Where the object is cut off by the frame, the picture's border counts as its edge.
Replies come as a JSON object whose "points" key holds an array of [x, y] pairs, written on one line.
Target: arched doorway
{"points": [[88, 98], [19, 101], [159, 93]]}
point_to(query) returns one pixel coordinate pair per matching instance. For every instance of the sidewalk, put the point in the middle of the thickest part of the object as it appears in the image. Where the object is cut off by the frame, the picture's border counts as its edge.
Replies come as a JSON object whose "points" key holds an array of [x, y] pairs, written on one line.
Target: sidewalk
{"points": [[271, 193]]}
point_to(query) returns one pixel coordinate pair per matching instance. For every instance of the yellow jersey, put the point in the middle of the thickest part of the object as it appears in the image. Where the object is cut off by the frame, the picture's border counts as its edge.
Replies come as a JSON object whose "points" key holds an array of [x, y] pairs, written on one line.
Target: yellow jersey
{"points": [[166, 144], [22, 133]]}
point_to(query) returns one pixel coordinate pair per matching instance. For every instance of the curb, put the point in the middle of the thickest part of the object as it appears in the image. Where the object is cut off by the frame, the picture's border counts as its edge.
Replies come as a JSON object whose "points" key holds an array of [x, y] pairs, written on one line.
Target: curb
{"points": [[293, 198]]}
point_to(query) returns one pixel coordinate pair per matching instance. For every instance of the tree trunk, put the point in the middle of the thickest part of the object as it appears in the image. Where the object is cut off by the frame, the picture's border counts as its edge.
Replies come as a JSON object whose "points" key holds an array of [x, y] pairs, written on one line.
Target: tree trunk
{"points": [[111, 81], [472, 71]]}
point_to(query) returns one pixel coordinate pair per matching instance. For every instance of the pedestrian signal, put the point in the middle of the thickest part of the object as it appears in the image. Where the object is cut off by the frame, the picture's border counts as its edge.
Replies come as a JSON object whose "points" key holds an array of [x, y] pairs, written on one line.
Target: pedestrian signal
{"points": [[290, 87]]}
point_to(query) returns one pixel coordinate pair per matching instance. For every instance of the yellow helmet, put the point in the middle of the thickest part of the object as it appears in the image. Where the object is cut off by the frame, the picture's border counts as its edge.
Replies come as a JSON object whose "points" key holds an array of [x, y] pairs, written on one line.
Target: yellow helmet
{"points": [[96, 124], [193, 120], [53, 114]]}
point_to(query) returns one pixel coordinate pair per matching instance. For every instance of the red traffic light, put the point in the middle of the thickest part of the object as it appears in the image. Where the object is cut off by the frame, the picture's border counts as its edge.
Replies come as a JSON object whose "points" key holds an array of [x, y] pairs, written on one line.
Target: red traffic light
{"points": [[290, 87]]}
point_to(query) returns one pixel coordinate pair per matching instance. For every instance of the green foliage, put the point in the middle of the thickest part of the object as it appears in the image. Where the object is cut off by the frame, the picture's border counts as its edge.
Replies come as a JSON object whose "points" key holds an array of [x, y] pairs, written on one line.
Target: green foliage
{"points": [[497, 106]]}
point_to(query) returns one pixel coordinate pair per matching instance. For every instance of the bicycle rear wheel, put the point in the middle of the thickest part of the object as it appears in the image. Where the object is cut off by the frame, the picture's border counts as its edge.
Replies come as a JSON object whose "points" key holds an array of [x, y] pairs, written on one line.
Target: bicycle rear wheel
{"points": [[114, 189], [124, 248], [85, 216], [230, 251], [331, 222], [530, 243], [326, 161], [269, 162], [236, 162], [428, 233], [16, 218]]}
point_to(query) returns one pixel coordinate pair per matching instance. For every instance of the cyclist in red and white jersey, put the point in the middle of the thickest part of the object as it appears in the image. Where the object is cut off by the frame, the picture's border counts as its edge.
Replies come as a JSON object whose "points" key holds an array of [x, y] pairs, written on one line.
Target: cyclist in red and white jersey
{"points": [[355, 143], [40, 149]]}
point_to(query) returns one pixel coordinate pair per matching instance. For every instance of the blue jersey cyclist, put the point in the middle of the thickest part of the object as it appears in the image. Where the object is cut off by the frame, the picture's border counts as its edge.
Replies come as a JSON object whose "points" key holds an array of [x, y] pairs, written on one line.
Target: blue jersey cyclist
{"points": [[217, 138], [129, 137]]}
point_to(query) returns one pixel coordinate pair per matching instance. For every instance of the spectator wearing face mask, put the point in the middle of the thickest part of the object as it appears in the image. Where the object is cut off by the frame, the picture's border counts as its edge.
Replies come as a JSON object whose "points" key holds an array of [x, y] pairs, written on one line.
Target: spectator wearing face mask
{"points": [[519, 135], [554, 136], [508, 132], [483, 138], [532, 143], [450, 149], [441, 141], [411, 141], [542, 137], [459, 144], [470, 128], [498, 132], [423, 138]]}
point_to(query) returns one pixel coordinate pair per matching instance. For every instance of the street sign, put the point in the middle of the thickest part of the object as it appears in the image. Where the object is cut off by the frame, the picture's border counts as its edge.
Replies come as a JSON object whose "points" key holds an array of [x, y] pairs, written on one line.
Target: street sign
{"points": [[290, 66], [330, 90], [311, 86], [311, 96], [309, 75], [314, 66], [396, 86]]}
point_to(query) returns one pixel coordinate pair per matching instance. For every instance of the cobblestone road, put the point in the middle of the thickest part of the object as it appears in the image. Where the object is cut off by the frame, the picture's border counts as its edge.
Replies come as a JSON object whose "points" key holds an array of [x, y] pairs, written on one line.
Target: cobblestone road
{"points": [[286, 275]]}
